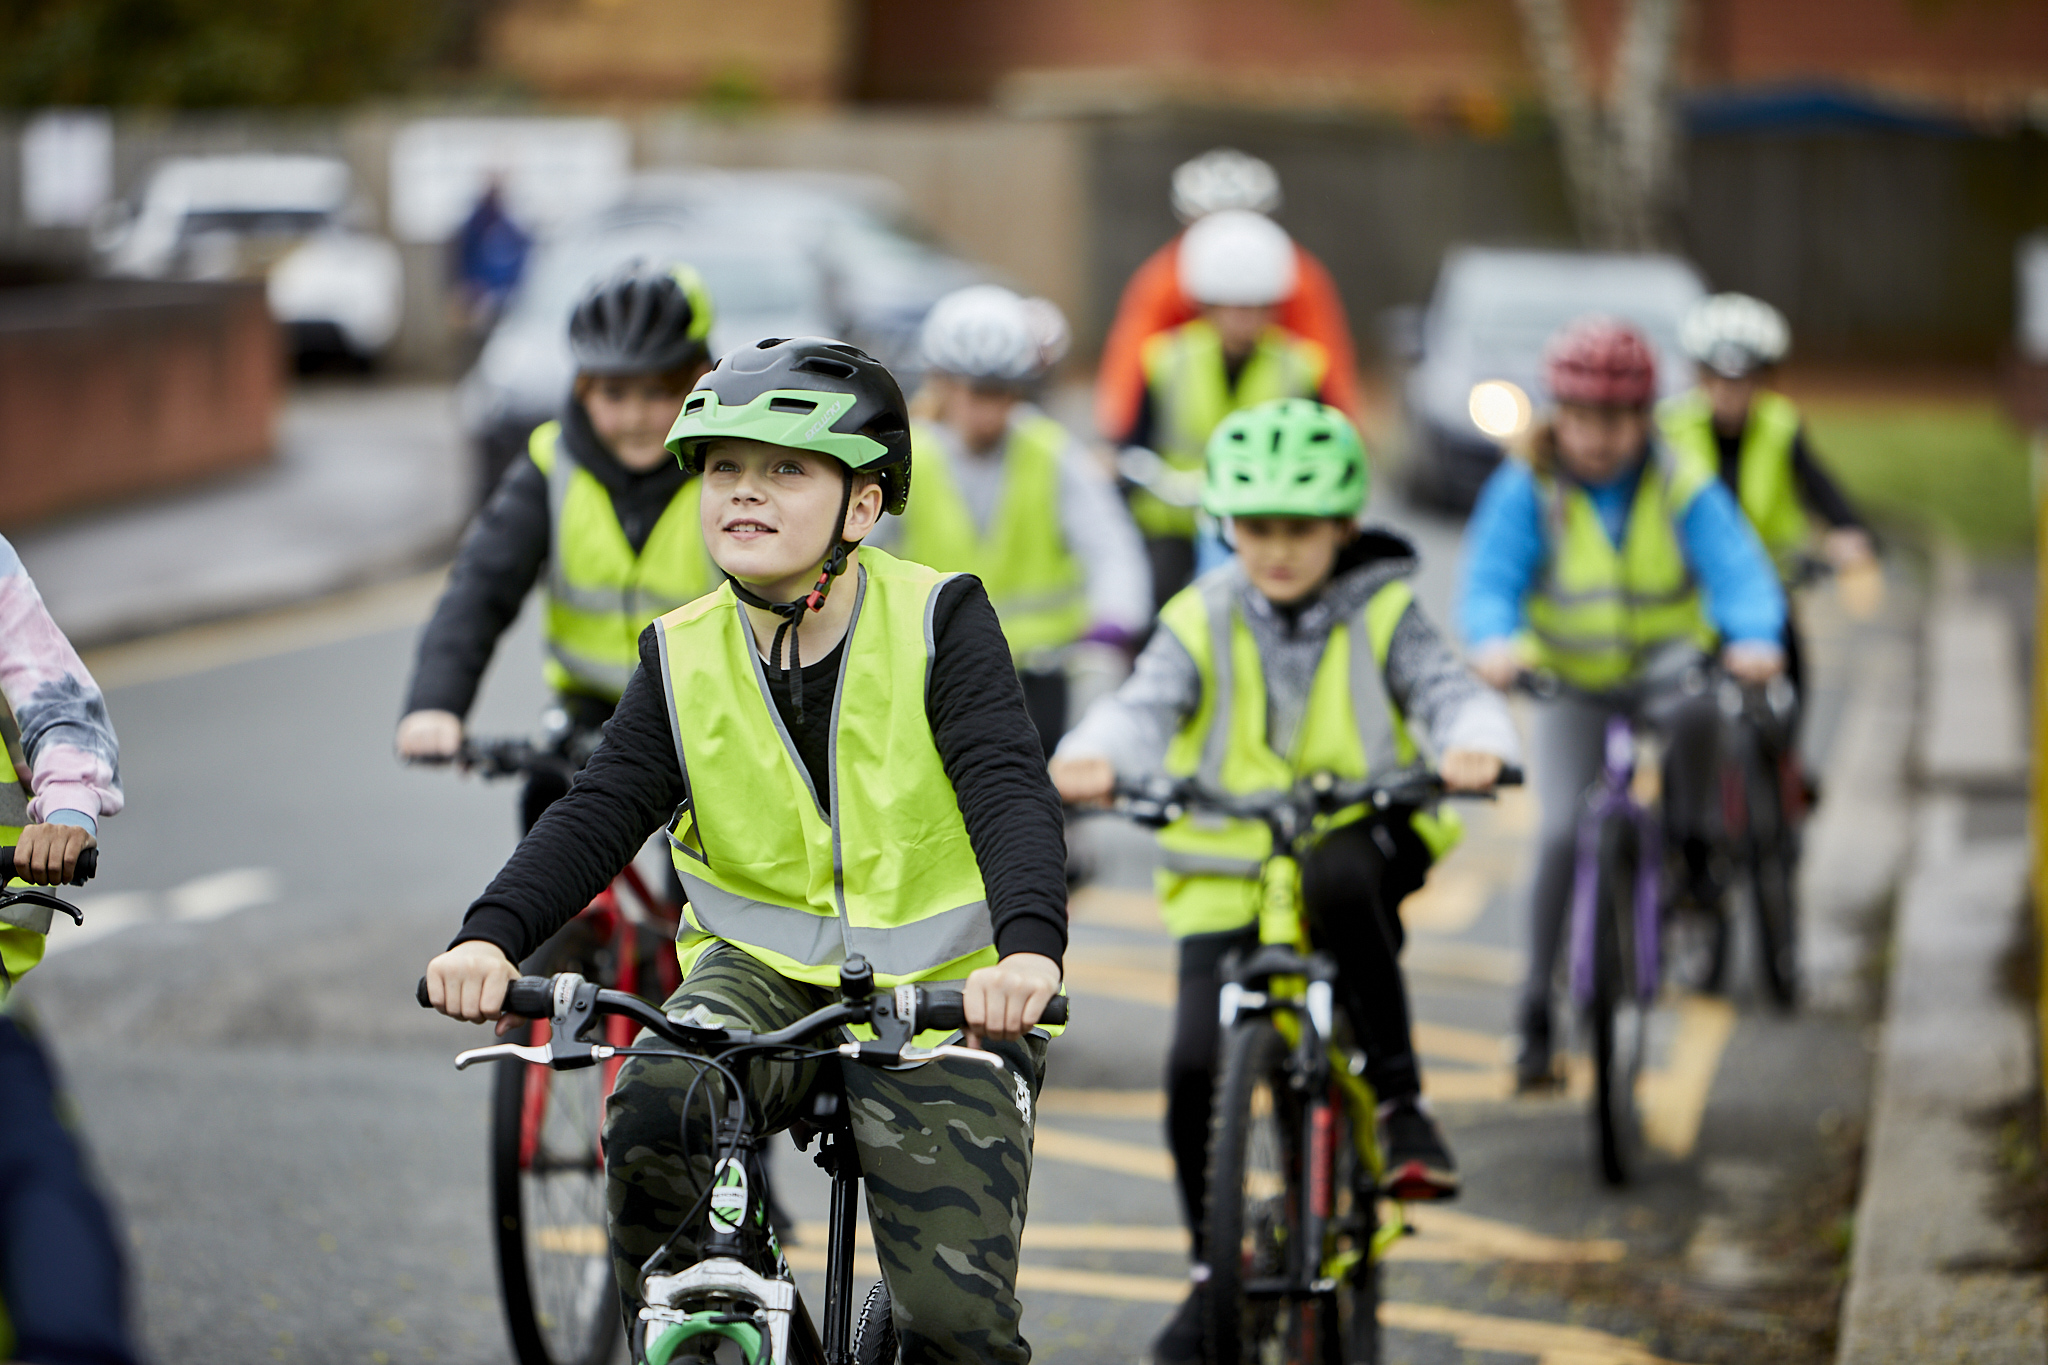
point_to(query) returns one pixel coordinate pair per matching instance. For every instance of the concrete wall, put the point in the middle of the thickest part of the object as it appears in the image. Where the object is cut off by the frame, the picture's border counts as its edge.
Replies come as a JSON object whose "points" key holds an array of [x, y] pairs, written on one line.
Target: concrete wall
{"points": [[111, 389]]}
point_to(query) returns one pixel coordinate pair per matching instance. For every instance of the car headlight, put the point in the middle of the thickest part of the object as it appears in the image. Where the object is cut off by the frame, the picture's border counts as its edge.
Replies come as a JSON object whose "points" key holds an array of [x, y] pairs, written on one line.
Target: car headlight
{"points": [[1499, 409]]}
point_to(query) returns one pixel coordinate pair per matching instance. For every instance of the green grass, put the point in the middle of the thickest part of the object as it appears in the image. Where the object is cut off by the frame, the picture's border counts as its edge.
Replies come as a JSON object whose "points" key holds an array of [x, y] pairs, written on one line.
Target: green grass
{"points": [[1924, 468]]}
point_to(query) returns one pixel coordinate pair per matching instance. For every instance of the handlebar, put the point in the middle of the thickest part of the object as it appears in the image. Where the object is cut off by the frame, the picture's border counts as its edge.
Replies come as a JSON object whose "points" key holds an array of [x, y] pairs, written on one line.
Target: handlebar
{"points": [[495, 758], [1290, 813], [897, 1016], [88, 865]]}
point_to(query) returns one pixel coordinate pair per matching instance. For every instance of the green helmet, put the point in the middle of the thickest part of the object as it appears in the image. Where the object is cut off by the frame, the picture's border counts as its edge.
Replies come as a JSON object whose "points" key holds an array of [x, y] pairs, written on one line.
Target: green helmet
{"points": [[1293, 457], [809, 392]]}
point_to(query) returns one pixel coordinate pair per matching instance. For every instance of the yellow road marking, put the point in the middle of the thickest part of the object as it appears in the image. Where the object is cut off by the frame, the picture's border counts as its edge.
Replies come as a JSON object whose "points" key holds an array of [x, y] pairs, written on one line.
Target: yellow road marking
{"points": [[1104, 1104], [1088, 974], [1674, 1099], [1050, 1237], [1451, 899], [1124, 909], [198, 649], [1443, 1234], [1552, 1343], [1427, 955], [1467, 1087], [576, 1239], [1106, 1154], [1458, 1044]]}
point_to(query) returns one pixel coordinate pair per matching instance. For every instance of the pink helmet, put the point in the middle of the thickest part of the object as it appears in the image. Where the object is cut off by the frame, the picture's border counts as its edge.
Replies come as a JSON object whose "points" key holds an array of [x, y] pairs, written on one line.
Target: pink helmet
{"points": [[1600, 362]]}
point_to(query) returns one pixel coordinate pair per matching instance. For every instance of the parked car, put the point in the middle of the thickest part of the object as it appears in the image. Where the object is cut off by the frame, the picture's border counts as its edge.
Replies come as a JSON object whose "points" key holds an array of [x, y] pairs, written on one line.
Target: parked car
{"points": [[292, 221], [782, 254], [1474, 356]]}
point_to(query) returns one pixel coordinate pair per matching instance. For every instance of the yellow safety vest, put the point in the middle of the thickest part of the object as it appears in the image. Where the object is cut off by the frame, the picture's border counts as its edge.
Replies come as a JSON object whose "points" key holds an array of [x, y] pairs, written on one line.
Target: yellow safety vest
{"points": [[1032, 578], [20, 949], [600, 593], [1351, 729], [1764, 483], [1600, 607], [1192, 394], [889, 873]]}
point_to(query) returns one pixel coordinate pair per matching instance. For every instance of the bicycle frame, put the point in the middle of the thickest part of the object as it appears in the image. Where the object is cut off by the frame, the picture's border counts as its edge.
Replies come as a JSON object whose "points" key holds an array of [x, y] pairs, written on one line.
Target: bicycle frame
{"points": [[1613, 795]]}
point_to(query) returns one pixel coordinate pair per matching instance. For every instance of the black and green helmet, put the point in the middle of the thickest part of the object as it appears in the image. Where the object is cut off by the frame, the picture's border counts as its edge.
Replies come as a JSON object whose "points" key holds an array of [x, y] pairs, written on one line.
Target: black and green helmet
{"points": [[642, 319], [811, 393], [1293, 457]]}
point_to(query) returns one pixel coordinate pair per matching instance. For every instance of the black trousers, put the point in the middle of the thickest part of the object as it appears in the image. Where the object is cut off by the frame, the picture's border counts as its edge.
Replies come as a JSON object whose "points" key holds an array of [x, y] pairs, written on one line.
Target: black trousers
{"points": [[1352, 887]]}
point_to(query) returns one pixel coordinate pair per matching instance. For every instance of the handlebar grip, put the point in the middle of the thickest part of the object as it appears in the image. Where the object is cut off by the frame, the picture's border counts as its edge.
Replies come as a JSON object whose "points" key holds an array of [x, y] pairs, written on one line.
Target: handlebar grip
{"points": [[942, 1007], [1510, 776], [421, 995], [531, 996], [88, 865]]}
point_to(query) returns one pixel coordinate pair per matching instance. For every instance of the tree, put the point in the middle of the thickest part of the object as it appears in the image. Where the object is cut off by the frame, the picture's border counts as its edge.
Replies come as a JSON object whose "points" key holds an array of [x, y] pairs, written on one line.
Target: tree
{"points": [[1621, 153]]}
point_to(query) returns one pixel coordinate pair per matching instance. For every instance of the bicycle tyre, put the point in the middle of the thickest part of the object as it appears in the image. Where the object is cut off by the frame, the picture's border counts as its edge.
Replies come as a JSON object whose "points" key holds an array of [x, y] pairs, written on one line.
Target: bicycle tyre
{"points": [[1257, 1194], [874, 1329], [1617, 1024], [1773, 889], [555, 1274]]}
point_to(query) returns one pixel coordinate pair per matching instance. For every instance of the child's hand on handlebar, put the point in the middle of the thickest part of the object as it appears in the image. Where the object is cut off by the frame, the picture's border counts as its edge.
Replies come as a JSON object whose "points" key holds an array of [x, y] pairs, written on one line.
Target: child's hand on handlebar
{"points": [[1003, 1001], [1753, 661], [468, 982], [1468, 770], [1498, 663], [1084, 780], [47, 855], [429, 734]]}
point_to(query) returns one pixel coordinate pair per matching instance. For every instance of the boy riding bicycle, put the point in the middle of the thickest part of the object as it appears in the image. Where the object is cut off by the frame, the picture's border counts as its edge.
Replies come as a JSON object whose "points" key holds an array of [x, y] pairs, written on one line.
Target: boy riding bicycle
{"points": [[837, 743], [1754, 438], [1606, 557], [1007, 493], [1237, 266], [1307, 654], [599, 501]]}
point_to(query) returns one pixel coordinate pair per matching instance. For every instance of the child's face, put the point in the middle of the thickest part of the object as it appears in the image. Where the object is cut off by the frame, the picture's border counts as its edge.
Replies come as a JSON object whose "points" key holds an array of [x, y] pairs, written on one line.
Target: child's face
{"points": [[1288, 558], [1729, 398], [632, 414], [1596, 444], [978, 414], [768, 512], [1239, 325]]}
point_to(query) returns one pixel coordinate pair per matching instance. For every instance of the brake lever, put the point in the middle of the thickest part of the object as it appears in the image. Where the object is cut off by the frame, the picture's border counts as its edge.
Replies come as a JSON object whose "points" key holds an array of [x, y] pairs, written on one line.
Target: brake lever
{"points": [[539, 1056], [910, 1055], [22, 895]]}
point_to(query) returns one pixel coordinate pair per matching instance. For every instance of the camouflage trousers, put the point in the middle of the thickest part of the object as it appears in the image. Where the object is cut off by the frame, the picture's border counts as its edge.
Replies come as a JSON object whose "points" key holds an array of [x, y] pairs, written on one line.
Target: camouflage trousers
{"points": [[945, 1154]]}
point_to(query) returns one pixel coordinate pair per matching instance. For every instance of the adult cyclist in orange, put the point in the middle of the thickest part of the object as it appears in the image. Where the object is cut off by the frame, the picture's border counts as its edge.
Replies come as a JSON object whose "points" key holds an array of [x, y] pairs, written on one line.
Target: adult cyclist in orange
{"points": [[1154, 300]]}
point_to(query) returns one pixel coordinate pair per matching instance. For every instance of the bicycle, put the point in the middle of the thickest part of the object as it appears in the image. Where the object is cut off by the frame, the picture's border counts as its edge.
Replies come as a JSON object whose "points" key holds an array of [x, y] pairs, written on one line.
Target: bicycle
{"points": [[546, 1161], [739, 1302], [1294, 1229], [34, 909]]}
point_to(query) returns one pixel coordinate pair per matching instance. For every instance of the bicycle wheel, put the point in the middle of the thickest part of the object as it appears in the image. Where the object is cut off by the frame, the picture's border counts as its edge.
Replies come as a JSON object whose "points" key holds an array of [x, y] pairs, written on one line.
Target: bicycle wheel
{"points": [[1351, 1323], [874, 1329], [548, 1206], [1257, 1198], [1619, 1022], [1772, 867]]}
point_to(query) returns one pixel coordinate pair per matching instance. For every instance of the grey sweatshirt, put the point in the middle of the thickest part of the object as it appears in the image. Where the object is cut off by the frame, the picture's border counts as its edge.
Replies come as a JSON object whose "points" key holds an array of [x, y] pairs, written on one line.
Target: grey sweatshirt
{"points": [[1445, 705]]}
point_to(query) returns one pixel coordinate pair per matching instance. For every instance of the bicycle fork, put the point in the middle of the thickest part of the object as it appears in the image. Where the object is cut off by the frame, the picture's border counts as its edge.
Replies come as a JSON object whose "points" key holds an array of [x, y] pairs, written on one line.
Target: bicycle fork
{"points": [[1613, 799]]}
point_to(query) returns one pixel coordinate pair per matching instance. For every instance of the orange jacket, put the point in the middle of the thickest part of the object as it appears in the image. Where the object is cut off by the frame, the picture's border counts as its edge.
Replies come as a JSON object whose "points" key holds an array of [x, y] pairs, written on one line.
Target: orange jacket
{"points": [[1153, 302]]}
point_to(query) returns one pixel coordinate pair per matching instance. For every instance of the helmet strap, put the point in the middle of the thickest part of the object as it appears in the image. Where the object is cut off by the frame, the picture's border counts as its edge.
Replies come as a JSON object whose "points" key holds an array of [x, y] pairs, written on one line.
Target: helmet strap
{"points": [[793, 612]]}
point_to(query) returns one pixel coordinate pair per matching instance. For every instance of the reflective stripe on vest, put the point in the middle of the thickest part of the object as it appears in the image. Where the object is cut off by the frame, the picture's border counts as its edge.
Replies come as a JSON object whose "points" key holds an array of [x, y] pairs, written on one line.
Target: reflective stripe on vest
{"points": [[1032, 578], [20, 948], [890, 872], [601, 593], [1600, 607], [1192, 394], [1349, 729], [1764, 482]]}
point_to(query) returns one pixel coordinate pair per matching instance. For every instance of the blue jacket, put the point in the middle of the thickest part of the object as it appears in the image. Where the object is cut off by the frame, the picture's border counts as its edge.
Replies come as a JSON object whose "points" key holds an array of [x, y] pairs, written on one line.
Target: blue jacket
{"points": [[1504, 555]]}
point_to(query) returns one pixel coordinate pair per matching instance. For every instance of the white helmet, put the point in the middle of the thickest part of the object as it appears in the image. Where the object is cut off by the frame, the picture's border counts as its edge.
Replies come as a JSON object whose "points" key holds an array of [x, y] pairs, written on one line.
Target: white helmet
{"points": [[983, 332], [1733, 334], [1235, 256], [1224, 179], [1049, 325]]}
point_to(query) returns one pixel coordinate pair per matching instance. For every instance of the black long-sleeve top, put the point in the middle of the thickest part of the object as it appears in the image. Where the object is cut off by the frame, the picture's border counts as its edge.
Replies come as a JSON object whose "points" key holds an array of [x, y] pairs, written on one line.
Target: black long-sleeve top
{"points": [[1820, 494], [634, 782], [501, 558]]}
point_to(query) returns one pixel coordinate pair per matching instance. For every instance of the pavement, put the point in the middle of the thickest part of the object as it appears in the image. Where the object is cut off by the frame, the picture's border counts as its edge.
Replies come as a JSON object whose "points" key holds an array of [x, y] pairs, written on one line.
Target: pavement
{"points": [[369, 481], [301, 1171]]}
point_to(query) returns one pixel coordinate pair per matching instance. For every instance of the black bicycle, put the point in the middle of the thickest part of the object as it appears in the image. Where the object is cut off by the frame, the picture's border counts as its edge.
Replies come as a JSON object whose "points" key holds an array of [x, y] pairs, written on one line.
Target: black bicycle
{"points": [[738, 1303]]}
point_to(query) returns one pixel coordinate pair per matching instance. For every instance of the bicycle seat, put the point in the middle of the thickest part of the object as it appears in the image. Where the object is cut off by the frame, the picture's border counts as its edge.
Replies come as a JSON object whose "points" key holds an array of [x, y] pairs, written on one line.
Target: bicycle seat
{"points": [[826, 1115], [1267, 961]]}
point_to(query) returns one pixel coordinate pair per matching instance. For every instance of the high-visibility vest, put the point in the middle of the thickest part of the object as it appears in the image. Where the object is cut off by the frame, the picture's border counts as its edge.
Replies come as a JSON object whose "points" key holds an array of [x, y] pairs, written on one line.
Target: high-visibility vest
{"points": [[1599, 608], [1032, 578], [1351, 729], [890, 873], [601, 593], [1764, 482], [1192, 394], [20, 949]]}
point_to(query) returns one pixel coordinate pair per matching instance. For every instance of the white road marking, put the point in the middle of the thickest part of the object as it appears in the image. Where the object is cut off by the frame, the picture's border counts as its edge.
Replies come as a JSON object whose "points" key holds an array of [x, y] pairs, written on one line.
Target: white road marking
{"points": [[210, 897]]}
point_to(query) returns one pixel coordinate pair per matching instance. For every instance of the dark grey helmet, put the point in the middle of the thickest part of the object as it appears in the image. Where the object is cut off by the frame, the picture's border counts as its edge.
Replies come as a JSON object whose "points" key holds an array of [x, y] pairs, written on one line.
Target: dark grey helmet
{"points": [[641, 319]]}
